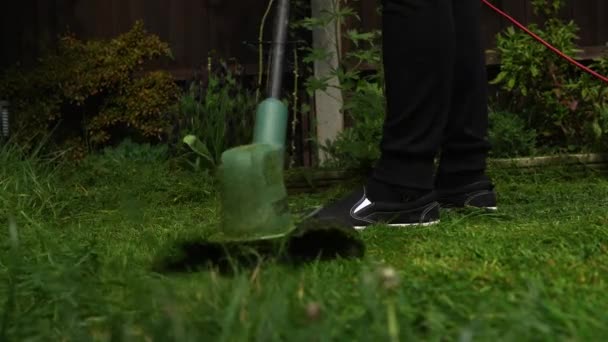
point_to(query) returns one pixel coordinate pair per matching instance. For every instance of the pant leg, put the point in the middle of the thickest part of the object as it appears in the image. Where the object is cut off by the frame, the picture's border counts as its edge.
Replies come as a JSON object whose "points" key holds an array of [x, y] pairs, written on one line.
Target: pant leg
{"points": [[418, 52], [465, 144]]}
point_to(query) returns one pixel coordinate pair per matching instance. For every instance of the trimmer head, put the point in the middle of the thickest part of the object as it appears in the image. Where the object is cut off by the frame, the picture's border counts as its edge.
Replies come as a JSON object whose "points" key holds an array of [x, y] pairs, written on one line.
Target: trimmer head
{"points": [[254, 197]]}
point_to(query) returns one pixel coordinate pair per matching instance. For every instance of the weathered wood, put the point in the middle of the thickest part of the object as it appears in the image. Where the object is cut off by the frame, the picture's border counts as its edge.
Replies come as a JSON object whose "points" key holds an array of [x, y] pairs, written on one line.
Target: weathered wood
{"points": [[193, 28]]}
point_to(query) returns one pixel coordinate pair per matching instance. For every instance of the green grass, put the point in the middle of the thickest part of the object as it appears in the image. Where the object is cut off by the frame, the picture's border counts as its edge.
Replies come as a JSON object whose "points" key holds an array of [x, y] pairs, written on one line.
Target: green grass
{"points": [[76, 264]]}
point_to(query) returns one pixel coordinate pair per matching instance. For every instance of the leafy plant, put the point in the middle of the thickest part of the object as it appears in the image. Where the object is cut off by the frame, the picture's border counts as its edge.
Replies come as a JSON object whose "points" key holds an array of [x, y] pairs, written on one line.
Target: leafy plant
{"points": [[510, 136], [93, 91], [356, 146], [566, 106], [220, 114], [204, 159]]}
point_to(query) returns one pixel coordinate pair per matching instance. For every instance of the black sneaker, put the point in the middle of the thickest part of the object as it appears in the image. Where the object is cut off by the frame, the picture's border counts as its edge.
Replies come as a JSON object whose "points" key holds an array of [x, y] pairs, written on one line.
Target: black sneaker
{"points": [[477, 195], [360, 212]]}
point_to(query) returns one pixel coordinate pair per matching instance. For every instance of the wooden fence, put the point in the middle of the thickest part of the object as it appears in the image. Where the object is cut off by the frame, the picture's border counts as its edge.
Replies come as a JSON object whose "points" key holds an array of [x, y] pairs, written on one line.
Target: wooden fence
{"points": [[193, 28], [590, 15]]}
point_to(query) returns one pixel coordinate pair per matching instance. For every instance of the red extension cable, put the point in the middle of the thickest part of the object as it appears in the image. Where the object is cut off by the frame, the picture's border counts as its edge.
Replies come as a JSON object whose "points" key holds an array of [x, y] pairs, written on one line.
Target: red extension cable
{"points": [[542, 41]]}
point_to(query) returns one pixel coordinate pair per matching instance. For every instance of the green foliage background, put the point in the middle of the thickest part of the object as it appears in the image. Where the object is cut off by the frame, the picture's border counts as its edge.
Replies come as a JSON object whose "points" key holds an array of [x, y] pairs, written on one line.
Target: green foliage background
{"points": [[88, 93]]}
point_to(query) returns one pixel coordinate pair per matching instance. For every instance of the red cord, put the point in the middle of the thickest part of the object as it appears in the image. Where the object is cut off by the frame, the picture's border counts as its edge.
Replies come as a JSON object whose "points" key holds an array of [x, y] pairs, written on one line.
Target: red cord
{"points": [[542, 41]]}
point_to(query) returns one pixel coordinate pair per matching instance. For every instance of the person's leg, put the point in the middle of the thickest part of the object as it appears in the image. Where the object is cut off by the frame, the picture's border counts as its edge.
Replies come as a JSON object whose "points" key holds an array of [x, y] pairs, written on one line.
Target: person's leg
{"points": [[461, 179], [418, 51], [465, 145]]}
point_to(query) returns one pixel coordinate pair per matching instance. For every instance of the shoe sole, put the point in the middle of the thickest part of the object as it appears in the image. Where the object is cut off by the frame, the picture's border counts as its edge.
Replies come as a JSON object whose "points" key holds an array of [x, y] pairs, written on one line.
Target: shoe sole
{"points": [[470, 207], [401, 225]]}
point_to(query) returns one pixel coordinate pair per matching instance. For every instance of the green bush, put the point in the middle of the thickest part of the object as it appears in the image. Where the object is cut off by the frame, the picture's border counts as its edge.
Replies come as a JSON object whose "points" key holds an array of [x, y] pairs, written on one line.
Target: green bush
{"points": [[567, 107], [93, 92], [358, 146], [510, 136]]}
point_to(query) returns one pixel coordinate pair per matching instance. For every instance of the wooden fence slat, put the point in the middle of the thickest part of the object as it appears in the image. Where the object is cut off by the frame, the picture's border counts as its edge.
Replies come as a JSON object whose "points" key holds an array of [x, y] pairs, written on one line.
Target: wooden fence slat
{"points": [[489, 23], [601, 14], [201, 33], [45, 22], [188, 32], [176, 28], [194, 27]]}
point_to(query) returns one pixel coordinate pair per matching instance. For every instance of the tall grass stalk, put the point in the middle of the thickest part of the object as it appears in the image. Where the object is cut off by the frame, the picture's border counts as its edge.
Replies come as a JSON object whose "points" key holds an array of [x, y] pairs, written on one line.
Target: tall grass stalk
{"points": [[27, 184]]}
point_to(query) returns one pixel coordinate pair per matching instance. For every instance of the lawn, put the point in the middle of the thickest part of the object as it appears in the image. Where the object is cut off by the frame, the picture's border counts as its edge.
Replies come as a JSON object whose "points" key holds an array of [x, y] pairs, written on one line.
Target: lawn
{"points": [[77, 256]]}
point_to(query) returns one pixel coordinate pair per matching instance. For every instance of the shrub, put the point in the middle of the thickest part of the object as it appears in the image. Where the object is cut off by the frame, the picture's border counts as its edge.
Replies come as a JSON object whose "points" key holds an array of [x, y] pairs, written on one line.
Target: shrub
{"points": [[566, 106], [510, 136], [93, 91], [358, 146]]}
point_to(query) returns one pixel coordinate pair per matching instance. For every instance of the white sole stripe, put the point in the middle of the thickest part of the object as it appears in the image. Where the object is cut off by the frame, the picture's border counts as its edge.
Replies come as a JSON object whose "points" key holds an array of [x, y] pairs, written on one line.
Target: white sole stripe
{"points": [[361, 206], [401, 225]]}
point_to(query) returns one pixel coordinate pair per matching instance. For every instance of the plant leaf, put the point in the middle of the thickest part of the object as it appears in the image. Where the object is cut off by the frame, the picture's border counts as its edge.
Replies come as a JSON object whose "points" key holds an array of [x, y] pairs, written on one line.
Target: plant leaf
{"points": [[197, 146]]}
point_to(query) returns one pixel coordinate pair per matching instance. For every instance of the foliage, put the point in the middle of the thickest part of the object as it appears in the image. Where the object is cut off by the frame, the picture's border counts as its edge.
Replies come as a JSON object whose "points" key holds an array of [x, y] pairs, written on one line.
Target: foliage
{"points": [[362, 91], [565, 106], [27, 184], [358, 146], [220, 113], [204, 160], [128, 150], [510, 136], [93, 91]]}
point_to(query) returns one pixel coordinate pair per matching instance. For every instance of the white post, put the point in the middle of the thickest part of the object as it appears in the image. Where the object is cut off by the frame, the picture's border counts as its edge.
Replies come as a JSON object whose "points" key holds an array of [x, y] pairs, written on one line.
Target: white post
{"points": [[328, 103], [4, 119]]}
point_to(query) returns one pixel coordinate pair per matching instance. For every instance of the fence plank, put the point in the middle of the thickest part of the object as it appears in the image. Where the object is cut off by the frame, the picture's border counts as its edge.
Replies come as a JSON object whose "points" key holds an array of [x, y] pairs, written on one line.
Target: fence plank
{"points": [[601, 14], [194, 27]]}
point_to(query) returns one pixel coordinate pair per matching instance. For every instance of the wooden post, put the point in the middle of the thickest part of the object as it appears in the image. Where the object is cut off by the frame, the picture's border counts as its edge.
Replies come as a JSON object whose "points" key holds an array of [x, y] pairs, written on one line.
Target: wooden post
{"points": [[328, 103]]}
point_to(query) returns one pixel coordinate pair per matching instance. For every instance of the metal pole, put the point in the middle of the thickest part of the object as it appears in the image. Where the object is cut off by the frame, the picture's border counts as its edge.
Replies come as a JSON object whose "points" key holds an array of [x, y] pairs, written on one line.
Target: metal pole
{"points": [[278, 49]]}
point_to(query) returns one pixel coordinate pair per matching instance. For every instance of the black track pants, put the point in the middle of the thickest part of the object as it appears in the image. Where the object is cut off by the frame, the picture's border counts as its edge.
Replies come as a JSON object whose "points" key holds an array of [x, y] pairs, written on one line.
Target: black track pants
{"points": [[435, 91]]}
